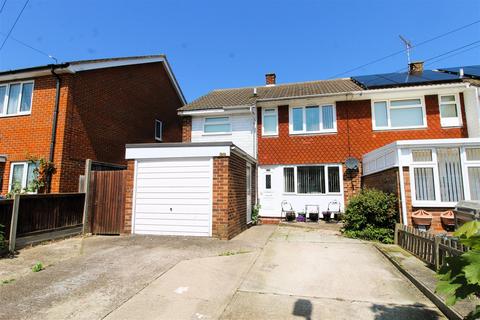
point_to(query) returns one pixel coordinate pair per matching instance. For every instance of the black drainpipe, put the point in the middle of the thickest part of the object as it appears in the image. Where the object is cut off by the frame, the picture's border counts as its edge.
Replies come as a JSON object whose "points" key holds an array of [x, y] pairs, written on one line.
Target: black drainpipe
{"points": [[54, 120]]}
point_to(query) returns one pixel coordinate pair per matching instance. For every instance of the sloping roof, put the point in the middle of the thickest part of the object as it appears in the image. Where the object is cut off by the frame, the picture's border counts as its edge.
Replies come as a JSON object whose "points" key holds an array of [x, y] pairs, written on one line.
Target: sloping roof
{"points": [[245, 96], [85, 65]]}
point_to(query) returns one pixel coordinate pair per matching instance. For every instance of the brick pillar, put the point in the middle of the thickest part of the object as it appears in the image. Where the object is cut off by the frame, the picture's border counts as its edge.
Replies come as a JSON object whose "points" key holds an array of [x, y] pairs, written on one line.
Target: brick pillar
{"points": [[220, 197], [186, 129], [127, 224], [351, 182]]}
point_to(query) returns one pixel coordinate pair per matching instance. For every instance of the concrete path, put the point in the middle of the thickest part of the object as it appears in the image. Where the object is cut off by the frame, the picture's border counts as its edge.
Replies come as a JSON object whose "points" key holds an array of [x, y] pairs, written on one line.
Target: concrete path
{"points": [[267, 272]]}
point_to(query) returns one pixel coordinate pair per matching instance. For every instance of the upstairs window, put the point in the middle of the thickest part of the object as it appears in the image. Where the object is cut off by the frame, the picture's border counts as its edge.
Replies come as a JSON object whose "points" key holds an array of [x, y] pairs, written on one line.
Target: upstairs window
{"points": [[313, 119], [16, 98], [269, 121], [398, 114], [217, 125], [158, 130], [450, 115]]}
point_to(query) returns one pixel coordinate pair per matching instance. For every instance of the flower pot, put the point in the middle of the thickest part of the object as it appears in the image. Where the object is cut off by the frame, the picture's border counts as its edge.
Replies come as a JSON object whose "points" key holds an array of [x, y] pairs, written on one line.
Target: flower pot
{"points": [[290, 216], [422, 218], [313, 216], [448, 218], [301, 217]]}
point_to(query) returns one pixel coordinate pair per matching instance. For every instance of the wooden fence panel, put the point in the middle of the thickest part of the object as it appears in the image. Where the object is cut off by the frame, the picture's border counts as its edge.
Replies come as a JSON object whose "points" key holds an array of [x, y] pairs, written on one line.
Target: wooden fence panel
{"points": [[47, 212], [6, 207], [107, 191]]}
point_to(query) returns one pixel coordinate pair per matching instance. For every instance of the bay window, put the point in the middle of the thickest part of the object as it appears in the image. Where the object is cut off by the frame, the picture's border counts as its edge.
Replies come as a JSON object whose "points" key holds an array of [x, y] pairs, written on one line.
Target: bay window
{"points": [[450, 115], [398, 114], [217, 125], [16, 98], [313, 119], [269, 121], [472, 164], [313, 179]]}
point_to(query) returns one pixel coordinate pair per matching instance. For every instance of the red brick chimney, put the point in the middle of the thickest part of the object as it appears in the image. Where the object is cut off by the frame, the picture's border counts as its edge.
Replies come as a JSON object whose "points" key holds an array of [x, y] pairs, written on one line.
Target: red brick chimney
{"points": [[270, 79], [415, 67]]}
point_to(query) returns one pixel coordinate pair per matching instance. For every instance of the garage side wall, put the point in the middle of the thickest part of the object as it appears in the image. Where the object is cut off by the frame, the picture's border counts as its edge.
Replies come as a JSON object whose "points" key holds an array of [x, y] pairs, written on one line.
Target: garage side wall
{"points": [[237, 195]]}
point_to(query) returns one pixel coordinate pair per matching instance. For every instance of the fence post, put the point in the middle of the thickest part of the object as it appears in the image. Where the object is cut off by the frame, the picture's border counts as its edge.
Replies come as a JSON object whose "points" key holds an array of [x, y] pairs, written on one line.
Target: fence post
{"points": [[436, 257], [395, 235], [88, 171], [13, 225]]}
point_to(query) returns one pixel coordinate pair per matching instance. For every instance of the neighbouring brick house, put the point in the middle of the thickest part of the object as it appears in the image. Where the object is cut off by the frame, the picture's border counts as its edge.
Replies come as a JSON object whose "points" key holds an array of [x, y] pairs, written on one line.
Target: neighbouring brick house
{"points": [[102, 105], [303, 133]]}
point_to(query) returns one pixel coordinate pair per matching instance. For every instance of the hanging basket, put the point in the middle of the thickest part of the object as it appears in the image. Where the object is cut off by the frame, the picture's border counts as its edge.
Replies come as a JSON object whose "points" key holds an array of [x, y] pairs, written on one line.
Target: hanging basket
{"points": [[422, 218], [448, 218]]}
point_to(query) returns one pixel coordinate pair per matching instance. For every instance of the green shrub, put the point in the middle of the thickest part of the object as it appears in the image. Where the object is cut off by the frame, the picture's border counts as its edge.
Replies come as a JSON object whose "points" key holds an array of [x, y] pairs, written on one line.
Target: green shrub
{"points": [[371, 215], [37, 267], [459, 278]]}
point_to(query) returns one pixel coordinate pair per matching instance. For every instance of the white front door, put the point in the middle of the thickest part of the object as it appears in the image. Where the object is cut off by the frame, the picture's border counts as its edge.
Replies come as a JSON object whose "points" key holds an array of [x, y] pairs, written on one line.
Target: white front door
{"points": [[249, 193], [173, 197]]}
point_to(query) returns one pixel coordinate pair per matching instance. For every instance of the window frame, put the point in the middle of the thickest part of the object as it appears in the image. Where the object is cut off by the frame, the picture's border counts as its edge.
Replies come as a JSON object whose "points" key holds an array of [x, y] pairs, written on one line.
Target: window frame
{"points": [[325, 169], [158, 138], [227, 122], [263, 122], [389, 119], [304, 120], [450, 122], [464, 164], [25, 165], [6, 98]]}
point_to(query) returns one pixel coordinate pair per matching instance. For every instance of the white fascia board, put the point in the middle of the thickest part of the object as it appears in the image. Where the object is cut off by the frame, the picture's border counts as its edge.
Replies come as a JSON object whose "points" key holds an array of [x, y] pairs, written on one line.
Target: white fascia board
{"points": [[32, 74], [438, 142], [176, 152], [220, 110]]}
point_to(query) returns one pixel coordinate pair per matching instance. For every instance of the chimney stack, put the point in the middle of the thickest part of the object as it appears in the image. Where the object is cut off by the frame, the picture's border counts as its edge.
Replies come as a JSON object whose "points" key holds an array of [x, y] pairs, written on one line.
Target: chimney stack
{"points": [[415, 67], [270, 79]]}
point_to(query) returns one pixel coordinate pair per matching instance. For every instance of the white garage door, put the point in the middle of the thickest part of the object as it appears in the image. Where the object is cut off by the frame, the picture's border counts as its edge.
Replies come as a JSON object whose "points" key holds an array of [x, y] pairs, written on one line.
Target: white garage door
{"points": [[173, 197]]}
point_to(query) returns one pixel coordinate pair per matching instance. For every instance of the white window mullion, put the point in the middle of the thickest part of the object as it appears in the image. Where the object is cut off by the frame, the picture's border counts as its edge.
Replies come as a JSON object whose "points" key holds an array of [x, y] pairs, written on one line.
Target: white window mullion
{"points": [[20, 98], [320, 118], [466, 181], [388, 115]]}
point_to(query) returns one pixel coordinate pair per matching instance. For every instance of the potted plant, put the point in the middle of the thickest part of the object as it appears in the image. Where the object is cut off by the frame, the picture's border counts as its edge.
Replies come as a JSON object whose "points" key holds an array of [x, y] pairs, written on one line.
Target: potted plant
{"points": [[290, 216], [301, 217], [313, 216]]}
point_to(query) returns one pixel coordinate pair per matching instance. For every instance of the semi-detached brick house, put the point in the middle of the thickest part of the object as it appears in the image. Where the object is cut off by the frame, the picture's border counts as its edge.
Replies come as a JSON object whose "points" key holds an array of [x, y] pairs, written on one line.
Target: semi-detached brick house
{"points": [[303, 133], [102, 105]]}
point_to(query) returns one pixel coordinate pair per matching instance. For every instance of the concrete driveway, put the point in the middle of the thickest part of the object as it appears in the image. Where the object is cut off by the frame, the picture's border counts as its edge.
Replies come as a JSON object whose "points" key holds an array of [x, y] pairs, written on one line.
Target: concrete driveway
{"points": [[267, 272]]}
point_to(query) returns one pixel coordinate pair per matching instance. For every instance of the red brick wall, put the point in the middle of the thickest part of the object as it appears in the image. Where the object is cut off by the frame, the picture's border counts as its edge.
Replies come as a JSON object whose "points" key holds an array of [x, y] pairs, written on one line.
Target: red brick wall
{"points": [[220, 197], [112, 107], [237, 195], [29, 135], [353, 116], [186, 129], [127, 224]]}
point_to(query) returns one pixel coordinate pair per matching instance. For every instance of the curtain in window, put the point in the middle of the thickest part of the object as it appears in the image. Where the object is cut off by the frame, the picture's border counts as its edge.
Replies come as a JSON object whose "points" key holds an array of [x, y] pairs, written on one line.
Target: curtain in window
{"points": [[422, 155], [333, 179], [289, 180], [474, 178], [327, 117], [3, 90], [297, 115], [311, 179], [312, 115], [13, 96], [269, 121], [450, 174], [424, 184], [473, 154], [380, 110]]}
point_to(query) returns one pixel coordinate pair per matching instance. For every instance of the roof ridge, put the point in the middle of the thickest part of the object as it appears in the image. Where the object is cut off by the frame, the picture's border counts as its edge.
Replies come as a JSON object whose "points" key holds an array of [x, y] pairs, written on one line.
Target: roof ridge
{"points": [[283, 84]]}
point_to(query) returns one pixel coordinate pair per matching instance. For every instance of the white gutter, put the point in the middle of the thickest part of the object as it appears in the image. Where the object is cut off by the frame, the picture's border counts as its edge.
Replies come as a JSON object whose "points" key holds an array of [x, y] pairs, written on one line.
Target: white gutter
{"points": [[229, 109]]}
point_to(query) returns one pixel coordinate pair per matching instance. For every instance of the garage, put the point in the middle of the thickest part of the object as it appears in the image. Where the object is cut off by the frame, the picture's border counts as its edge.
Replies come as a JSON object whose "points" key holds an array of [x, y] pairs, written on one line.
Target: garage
{"points": [[173, 197], [189, 189]]}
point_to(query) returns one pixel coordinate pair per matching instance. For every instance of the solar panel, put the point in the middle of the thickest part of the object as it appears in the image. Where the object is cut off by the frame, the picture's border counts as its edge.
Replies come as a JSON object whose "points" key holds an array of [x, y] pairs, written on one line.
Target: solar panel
{"points": [[404, 79], [469, 71]]}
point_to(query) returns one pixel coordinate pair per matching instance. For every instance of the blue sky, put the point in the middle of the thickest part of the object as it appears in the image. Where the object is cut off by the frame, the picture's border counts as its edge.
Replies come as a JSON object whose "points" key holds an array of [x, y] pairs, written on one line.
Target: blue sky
{"points": [[220, 44]]}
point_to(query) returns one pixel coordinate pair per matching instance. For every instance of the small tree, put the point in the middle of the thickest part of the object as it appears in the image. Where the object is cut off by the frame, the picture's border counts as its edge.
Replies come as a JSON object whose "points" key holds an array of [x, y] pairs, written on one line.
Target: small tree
{"points": [[43, 172], [371, 215], [459, 278]]}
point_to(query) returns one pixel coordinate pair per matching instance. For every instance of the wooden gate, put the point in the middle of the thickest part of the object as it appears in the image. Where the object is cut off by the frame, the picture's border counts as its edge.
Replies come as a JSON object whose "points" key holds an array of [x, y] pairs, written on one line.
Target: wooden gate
{"points": [[107, 201]]}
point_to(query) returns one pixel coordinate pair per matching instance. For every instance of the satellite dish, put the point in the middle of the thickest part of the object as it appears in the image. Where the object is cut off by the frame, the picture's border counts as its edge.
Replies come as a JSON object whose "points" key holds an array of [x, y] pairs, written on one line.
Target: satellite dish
{"points": [[351, 163]]}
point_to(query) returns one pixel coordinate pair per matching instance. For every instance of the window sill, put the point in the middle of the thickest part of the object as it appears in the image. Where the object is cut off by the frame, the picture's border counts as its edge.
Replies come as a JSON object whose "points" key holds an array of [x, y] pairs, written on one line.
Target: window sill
{"points": [[273, 135], [216, 134], [316, 133], [399, 129], [15, 115], [311, 194], [416, 204]]}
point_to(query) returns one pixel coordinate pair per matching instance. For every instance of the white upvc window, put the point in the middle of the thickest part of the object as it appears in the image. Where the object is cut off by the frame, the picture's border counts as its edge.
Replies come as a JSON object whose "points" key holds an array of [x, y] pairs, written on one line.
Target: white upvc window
{"points": [[313, 119], [16, 98], [158, 130], [399, 114], [22, 175], [312, 179], [472, 172], [217, 125], [269, 121], [450, 111], [445, 175]]}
